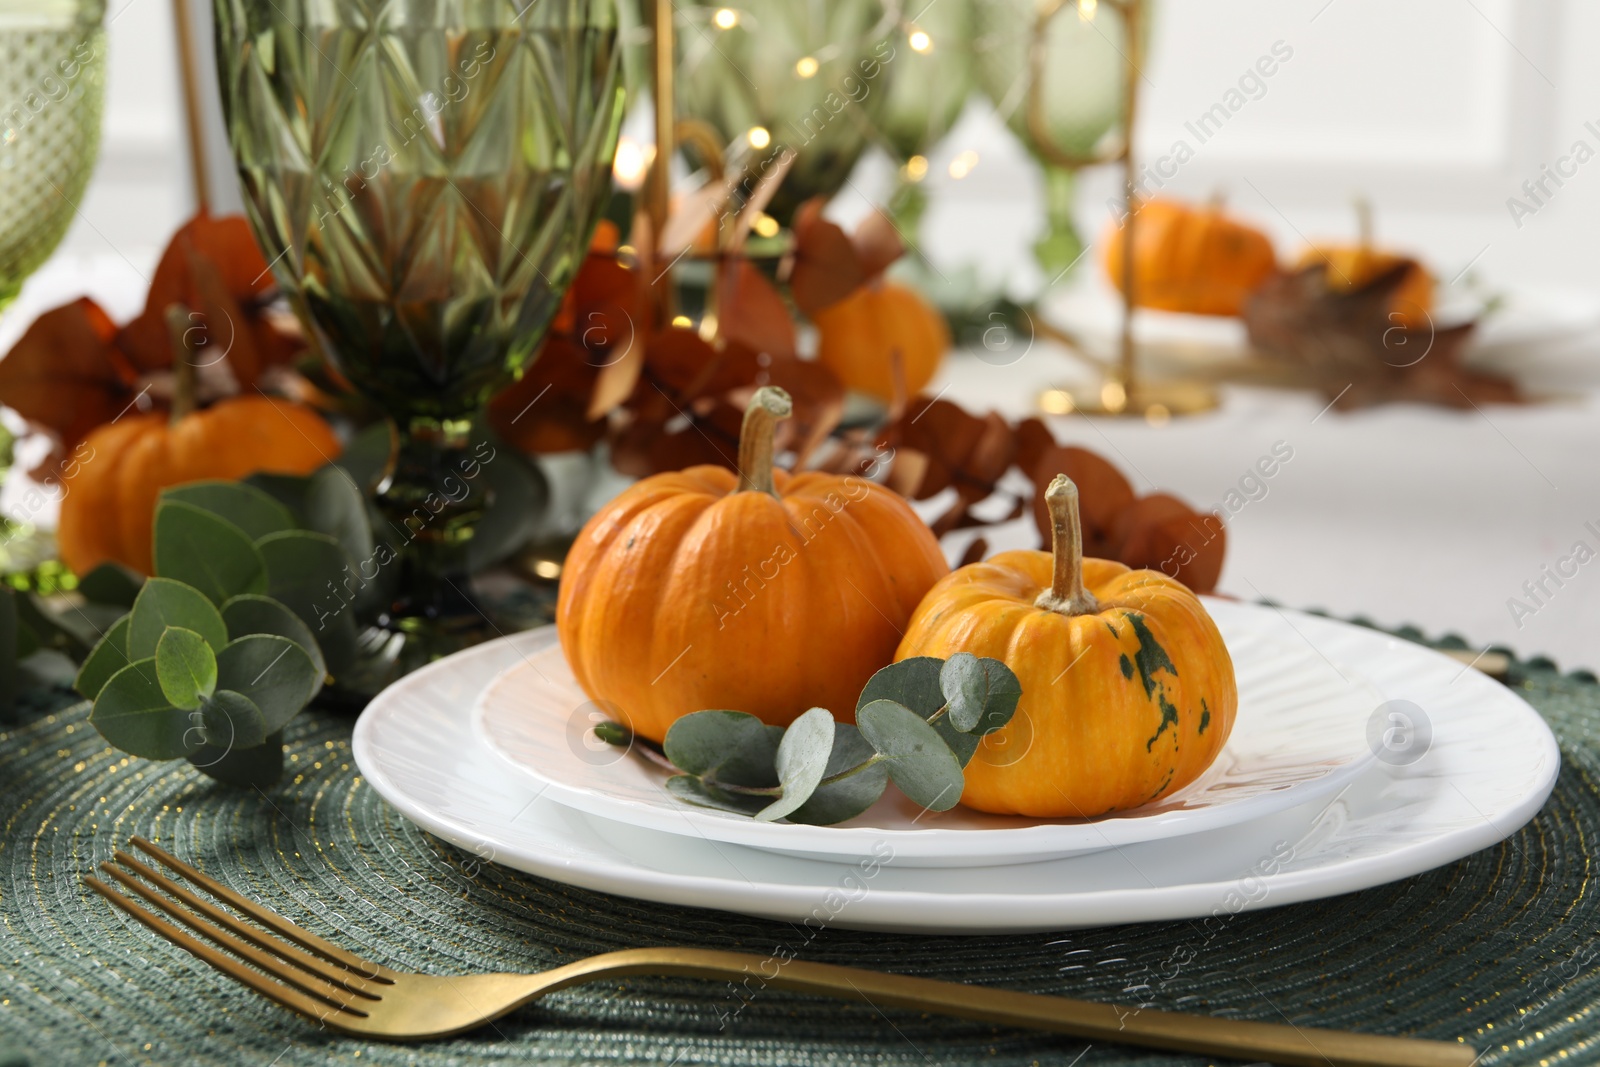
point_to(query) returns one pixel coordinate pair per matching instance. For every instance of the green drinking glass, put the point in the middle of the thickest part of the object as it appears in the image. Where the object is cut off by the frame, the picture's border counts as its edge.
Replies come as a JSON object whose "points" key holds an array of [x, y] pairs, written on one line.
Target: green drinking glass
{"points": [[424, 177], [1081, 94], [52, 84], [932, 80], [812, 75]]}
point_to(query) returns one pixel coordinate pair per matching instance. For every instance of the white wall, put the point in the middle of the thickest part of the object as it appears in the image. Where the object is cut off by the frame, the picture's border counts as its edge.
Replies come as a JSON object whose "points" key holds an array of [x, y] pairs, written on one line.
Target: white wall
{"points": [[141, 190]]}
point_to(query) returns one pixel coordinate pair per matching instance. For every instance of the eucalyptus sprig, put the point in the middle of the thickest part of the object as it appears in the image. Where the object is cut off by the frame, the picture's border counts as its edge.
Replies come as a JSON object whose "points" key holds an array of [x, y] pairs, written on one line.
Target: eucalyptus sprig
{"points": [[214, 657], [260, 588], [918, 723]]}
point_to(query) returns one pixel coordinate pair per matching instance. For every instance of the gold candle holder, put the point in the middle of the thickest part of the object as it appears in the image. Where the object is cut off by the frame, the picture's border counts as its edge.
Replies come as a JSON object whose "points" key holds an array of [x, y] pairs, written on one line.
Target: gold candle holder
{"points": [[1122, 390]]}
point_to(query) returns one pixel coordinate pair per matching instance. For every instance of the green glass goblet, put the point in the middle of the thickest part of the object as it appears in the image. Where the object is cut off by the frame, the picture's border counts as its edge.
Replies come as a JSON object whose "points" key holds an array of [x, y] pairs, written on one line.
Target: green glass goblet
{"points": [[424, 177], [1079, 98], [811, 77], [932, 80], [52, 84]]}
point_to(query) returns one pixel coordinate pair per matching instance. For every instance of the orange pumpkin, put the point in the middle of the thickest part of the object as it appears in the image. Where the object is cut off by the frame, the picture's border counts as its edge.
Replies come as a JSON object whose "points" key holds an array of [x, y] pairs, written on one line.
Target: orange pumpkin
{"points": [[859, 336], [758, 592], [1194, 260], [122, 466], [1128, 692]]}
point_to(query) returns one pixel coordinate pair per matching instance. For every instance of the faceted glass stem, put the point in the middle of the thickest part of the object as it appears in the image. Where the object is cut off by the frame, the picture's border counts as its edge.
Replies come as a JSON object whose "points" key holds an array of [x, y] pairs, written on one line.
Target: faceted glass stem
{"points": [[1059, 247], [431, 499]]}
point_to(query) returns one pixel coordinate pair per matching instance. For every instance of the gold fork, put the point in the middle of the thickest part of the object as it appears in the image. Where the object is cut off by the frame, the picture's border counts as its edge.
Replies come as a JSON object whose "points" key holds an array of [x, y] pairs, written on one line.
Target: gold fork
{"points": [[299, 970]]}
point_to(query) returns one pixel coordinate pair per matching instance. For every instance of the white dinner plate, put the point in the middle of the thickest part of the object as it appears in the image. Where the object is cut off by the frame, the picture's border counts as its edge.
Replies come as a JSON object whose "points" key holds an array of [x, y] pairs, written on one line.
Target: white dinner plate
{"points": [[1301, 734], [1489, 764]]}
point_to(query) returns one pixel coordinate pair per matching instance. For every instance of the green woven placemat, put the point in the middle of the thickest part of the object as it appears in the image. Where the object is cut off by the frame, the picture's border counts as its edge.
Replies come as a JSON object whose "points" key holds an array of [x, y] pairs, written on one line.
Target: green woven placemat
{"points": [[1500, 949]]}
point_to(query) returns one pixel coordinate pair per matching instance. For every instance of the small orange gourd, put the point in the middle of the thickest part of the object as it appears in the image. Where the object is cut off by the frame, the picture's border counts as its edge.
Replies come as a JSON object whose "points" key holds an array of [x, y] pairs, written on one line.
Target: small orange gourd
{"points": [[118, 472], [759, 591], [858, 338], [1347, 268], [1194, 260], [1128, 691]]}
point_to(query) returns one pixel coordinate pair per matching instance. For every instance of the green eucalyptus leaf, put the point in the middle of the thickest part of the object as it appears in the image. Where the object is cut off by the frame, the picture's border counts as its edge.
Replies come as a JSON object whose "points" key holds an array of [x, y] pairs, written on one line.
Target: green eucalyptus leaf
{"points": [[134, 715], [111, 583], [253, 510], [287, 490], [27, 641], [186, 668], [912, 682], [915, 683], [210, 553], [257, 767], [919, 761], [164, 602], [274, 672], [982, 693], [613, 733], [10, 631], [367, 456], [518, 495], [729, 746], [307, 573], [693, 791], [72, 631], [251, 614], [961, 745], [802, 758], [107, 657], [231, 720], [337, 507], [834, 802]]}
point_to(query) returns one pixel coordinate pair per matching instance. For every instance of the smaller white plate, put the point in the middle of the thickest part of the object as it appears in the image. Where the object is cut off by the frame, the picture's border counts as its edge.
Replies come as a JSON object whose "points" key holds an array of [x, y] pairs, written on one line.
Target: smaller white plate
{"points": [[1300, 735]]}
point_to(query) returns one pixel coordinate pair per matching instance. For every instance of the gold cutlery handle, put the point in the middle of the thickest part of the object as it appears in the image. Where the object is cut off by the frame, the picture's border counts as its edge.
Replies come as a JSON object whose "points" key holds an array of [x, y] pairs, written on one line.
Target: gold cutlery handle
{"points": [[1175, 1031]]}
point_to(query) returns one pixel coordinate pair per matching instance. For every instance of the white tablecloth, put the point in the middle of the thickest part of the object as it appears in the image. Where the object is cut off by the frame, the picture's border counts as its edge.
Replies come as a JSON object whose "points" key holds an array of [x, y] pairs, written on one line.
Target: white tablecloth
{"points": [[1404, 514]]}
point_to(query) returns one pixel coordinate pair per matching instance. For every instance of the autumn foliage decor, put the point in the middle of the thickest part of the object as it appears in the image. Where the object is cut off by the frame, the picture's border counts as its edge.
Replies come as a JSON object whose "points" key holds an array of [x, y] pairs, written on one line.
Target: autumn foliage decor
{"points": [[176, 395]]}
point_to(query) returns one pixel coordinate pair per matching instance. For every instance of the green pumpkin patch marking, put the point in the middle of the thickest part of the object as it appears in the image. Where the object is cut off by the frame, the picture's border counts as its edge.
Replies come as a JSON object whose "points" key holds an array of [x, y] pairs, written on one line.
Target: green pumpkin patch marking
{"points": [[1150, 657]]}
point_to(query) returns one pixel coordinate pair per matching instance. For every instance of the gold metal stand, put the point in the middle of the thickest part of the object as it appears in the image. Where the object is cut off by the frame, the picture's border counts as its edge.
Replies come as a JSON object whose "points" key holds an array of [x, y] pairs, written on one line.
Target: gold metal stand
{"points": [[1122, 391], [188, 61], [658, 186]]}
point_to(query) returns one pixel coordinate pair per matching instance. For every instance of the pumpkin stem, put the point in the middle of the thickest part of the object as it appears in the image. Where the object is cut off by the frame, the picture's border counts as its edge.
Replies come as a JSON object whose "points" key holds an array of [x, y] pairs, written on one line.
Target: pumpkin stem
{"points": [[1066, 594], [767, 408], [184, 385], [1363, 223]]}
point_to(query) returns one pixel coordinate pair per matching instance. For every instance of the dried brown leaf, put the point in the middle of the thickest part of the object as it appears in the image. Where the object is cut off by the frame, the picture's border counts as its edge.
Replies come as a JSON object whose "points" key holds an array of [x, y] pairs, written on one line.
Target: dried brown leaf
{"points": [[751, 311], [1356, 349], [65, 373], [877, 244], [826, 268], [1103, 496]]}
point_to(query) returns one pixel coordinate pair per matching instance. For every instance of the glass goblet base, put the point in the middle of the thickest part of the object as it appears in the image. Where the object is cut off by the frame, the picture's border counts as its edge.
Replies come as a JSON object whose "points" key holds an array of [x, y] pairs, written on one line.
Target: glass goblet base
{"points": [[430, 502]]}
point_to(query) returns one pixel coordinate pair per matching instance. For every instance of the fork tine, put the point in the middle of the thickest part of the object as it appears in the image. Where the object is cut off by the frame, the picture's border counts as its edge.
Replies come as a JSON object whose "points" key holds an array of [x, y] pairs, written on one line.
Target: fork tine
{"points": [[316, 987], [302, 937], [276, 992], [334, 975]]}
